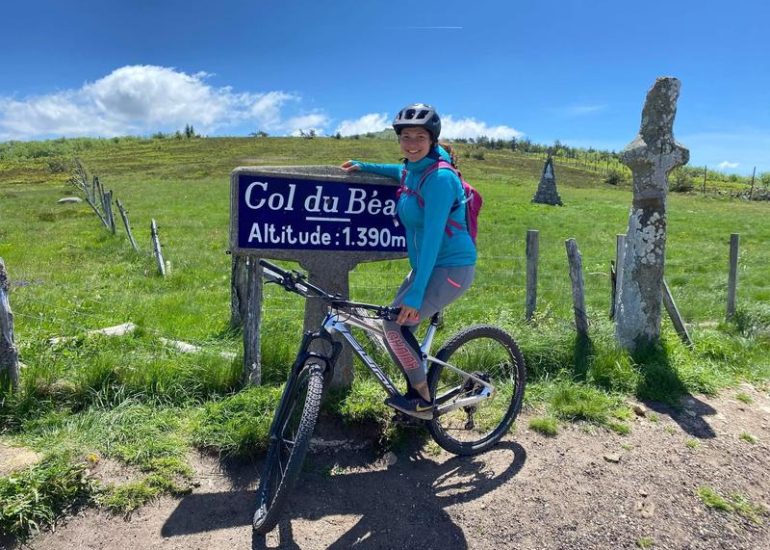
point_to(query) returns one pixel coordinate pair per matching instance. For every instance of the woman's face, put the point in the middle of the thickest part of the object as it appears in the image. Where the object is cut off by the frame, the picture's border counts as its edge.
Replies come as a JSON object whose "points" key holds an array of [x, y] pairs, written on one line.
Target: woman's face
{"points": [[415, 143]]}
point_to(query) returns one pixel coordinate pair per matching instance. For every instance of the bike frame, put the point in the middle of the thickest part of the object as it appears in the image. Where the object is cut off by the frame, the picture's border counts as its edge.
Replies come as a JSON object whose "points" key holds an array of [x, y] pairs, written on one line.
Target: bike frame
{"points": [[339, 322]]}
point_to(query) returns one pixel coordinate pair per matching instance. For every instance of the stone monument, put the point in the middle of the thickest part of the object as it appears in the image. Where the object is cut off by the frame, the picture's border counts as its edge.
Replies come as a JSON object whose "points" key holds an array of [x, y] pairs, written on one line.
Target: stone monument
{"points": [[651, 156], [546, 189]]}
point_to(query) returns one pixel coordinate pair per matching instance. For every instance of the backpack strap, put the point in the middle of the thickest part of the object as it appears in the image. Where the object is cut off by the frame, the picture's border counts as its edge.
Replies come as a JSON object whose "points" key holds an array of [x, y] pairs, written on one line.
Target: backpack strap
{"points": [[432, 168], [428, 171]]}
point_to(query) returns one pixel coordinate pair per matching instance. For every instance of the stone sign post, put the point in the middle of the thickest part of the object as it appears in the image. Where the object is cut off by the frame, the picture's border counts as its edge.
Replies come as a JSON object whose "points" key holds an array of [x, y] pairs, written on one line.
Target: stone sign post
{"points": [[326, 219], [651, 156]]}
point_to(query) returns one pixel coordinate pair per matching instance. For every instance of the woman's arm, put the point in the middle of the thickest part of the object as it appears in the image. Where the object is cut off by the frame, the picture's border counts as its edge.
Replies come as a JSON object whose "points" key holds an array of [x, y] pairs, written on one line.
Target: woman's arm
{"points": [[388, 170]]}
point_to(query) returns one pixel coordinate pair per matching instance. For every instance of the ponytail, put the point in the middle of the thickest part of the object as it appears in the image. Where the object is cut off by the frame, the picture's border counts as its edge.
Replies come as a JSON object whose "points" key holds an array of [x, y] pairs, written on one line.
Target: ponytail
{"points": [[452, 154]]}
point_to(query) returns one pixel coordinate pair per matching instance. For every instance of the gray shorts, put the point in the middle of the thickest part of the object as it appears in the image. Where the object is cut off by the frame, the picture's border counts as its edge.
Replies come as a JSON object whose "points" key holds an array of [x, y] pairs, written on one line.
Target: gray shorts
{"points": [[446, 285]]}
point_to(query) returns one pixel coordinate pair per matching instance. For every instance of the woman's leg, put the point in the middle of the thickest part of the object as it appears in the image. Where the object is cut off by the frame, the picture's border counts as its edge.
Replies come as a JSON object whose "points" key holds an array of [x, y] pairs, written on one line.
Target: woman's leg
{"points": [[445, 286]]}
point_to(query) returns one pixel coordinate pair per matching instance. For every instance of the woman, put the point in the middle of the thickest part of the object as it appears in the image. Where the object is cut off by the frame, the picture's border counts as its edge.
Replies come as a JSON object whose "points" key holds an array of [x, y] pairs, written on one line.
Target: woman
{"points": [[442, 260]]}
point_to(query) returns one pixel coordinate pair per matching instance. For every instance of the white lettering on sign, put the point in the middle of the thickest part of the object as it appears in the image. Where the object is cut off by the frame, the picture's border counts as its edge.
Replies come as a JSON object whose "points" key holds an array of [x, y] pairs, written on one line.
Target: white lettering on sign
{"points": [[275, 201], [267, 233], [361, 237], [359, 201], [358, 204]]}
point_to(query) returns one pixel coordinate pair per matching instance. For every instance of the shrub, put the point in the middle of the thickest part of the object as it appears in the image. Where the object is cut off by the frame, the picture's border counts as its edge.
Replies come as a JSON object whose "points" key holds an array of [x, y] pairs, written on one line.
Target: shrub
{"points": [[681, 182], [614, 177]]}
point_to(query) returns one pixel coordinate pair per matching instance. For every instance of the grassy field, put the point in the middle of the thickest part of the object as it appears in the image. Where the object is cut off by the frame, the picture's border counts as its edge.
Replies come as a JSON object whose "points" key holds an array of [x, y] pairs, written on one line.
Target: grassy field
{"points": [[141, 403]]}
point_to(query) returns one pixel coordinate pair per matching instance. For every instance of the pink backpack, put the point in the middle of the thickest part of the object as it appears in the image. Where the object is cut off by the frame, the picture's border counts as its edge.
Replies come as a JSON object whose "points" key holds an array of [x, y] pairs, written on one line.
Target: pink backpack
{"points": [[472, 201]]}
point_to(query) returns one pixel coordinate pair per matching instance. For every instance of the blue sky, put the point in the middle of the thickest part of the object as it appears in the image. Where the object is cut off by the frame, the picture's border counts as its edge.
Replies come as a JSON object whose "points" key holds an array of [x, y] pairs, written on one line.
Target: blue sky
{"points": [[571, 70]]}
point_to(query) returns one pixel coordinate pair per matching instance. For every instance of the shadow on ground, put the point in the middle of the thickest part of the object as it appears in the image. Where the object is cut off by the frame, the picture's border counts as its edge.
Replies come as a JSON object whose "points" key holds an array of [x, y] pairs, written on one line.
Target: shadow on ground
{"points": [[662, 390], [401, 506]]}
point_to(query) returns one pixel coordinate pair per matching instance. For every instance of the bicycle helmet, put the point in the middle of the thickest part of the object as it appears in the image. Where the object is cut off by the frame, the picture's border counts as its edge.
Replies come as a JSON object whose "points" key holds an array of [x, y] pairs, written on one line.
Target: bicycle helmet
{"points": [[418, 115]]}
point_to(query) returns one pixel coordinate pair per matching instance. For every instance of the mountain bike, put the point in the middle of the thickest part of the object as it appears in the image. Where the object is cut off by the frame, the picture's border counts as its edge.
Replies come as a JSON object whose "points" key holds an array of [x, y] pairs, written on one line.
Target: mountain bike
{"points": [[477, 380]]}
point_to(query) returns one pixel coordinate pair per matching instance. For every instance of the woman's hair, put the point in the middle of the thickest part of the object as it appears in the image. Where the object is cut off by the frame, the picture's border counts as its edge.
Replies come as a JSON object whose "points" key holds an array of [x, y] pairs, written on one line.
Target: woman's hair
{"points": [[452, 154]]}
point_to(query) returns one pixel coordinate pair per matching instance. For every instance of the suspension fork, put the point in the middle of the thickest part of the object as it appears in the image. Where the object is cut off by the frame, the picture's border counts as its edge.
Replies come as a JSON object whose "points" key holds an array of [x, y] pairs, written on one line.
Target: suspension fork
{"points": [[304, 355]]}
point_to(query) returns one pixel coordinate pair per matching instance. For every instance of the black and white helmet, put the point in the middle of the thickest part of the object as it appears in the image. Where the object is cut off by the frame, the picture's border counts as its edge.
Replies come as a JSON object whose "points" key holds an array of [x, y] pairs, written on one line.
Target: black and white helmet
{"points": [[418, 115]]}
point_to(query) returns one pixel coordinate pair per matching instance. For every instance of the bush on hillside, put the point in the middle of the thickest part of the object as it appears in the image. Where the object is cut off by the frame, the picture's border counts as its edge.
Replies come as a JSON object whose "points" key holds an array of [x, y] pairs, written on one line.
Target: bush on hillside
{"points": [[614, 177], [681, 182]]}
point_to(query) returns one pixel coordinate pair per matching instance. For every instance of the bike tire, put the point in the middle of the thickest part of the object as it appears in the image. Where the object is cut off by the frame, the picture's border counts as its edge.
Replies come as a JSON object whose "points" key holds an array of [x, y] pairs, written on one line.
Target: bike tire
{"points": [[290, 439], [483, 350]]}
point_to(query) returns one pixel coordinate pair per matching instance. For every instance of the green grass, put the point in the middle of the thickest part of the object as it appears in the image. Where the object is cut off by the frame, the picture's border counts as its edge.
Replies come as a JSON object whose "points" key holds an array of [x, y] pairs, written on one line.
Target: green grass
{"points": [[545, 425], [748, 438], [735, 503], [744, 398], [42, 494], [138, 401], [645, 542]]}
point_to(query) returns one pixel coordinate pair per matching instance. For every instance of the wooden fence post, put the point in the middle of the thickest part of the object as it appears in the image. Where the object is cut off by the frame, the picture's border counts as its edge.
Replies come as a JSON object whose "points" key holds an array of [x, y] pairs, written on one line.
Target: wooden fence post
{"points": [[9, 355], [732, 279], [239, 290], [108, 211], [252, 359], [578, 292], [124, 216], [532, 259], [80, 180], [156, 248], [676, 317]]}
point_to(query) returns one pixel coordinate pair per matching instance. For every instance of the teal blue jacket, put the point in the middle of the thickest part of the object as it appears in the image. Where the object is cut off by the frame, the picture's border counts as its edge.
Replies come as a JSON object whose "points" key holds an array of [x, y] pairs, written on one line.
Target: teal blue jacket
{"points": [[427, 242]]}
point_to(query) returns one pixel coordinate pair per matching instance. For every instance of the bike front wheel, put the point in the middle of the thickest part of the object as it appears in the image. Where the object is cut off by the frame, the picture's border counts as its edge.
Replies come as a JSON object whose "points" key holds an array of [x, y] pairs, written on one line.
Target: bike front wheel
{"points": [[471, 417], [289, 440]]}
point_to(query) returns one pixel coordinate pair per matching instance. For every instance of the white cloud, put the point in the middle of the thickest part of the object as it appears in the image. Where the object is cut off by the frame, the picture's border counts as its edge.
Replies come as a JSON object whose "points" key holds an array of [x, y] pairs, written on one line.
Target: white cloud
{"points": [[472, 128], [725, 165], [147, 98], [266, 108], [305, 123], [373, 122]]}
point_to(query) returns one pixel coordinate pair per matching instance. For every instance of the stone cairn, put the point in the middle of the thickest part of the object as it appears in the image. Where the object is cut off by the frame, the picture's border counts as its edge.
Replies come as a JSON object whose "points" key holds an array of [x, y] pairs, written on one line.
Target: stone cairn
{"points": [[651, 156], [546, 189]]}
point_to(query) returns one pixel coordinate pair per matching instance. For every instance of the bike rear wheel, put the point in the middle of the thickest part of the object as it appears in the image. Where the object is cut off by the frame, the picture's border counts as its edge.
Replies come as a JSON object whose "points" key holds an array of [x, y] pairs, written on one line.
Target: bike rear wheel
{"points": [[492, 355], [290, 436]]}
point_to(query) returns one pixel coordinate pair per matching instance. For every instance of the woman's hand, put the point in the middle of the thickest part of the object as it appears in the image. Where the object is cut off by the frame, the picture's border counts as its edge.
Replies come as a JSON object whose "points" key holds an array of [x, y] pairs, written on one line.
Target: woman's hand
{"points": [[408, 315], [350, 166]]}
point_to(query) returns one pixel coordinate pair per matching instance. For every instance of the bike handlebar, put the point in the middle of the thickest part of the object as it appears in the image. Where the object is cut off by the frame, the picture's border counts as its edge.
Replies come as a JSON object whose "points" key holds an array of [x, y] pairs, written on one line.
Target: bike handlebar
{"points": [[296, 281]]}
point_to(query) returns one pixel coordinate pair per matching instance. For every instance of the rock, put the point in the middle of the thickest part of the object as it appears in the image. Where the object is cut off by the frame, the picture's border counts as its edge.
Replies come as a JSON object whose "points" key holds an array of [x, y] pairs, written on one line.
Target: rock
{"points": [[690, 412], [645, 508], [612, 457], [639, 410], [66, 200], [390, 459]]}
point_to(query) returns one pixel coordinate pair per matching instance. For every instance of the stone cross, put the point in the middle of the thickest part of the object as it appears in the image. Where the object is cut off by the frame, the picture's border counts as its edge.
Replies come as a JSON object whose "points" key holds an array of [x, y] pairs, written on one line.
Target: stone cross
{"points": [[9, 356], [651, 156], [546, 189]]}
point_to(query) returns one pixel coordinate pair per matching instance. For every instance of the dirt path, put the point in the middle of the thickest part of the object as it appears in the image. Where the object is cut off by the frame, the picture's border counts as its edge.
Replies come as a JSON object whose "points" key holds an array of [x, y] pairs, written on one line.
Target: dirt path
{"points": [[584, 489]]}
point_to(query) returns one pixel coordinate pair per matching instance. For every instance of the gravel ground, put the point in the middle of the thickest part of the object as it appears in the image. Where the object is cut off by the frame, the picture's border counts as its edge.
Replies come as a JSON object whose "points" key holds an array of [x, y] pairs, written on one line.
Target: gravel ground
{"points": [[586, 488]]}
